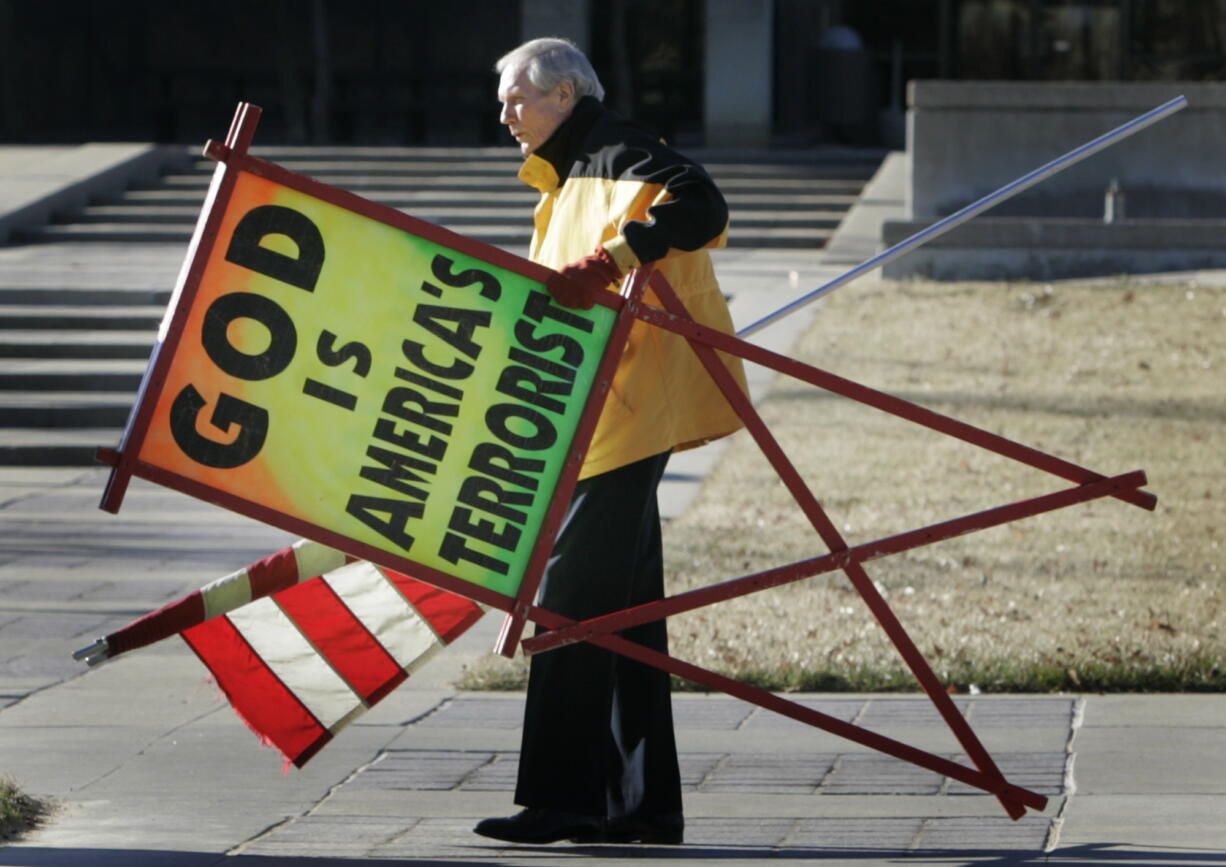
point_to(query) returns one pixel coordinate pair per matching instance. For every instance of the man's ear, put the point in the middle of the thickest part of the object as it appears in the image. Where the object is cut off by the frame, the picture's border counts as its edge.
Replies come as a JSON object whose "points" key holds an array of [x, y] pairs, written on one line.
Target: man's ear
{"points": [[566, 91]]}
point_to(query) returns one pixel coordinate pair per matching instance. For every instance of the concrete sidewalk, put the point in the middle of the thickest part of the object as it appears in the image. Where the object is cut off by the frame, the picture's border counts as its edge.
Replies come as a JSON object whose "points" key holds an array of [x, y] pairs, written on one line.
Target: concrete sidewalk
{"points": [[148, 766]]}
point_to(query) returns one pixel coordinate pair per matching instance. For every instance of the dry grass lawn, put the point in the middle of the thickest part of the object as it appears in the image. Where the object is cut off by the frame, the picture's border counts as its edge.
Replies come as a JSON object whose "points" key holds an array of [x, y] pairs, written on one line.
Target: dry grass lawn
{"points": [[1113, 375]]}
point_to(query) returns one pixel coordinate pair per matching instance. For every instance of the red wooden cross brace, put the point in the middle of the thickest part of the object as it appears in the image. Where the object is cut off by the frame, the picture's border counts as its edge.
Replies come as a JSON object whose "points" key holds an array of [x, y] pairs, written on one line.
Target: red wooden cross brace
{"points": [[704, 342]]}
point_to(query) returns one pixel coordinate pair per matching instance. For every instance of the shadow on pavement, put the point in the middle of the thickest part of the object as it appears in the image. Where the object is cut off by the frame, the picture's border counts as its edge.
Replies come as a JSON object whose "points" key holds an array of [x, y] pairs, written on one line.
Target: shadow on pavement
{"points": [[36, 856], [1095, 854]]}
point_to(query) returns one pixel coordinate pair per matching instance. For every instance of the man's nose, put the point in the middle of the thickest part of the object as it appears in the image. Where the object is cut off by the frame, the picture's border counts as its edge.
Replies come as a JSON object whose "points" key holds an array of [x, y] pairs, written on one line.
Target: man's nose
{"points": [[505, 115]]}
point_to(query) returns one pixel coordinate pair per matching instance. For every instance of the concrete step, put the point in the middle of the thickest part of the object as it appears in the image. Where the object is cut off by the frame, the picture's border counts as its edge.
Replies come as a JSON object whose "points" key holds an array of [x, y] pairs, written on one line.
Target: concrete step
{"points": [[742, 220], [365, 184], [292, 153], [520, 202], [498, 236], [450, 214], [829, 158], [50, 375], [129, 212], [82, 409], [743, 235], [523, 201], [783, 186], [80, 318], [780, 238], [55, 447], [110, 233], [84, 296], [40, 274], [508, 161], [359, 184], [76, 344], [793, 201], [160, 223], [500, 226], [500, 170], [180, 233], [735, 173]]}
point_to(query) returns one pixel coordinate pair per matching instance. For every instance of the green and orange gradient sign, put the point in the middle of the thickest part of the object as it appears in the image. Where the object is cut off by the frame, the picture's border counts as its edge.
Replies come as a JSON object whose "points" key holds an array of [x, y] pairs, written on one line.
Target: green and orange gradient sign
{"points": [[374, 383]]}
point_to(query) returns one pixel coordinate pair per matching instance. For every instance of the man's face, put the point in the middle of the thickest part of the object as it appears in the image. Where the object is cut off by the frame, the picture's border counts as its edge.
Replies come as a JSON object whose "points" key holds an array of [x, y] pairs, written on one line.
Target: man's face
{"points": [[531, 114]]}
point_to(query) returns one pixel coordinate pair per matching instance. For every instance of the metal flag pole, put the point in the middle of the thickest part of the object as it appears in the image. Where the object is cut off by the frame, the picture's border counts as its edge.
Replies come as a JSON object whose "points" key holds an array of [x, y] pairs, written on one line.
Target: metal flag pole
{"points": [[990, 200]]}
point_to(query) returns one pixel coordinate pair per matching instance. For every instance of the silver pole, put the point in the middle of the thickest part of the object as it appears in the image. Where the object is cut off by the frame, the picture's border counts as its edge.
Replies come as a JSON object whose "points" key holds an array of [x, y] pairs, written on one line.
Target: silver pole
{"points": [[991, 199]]}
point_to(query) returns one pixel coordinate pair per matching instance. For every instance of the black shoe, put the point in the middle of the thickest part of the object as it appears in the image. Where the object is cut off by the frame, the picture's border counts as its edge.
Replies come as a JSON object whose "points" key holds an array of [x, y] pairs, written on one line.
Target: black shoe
{"points": [[540, 825], [662, 829]]}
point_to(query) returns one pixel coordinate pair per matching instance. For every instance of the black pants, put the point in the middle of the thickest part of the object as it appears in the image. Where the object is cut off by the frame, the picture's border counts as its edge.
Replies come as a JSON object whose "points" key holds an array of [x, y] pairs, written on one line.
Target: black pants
{"points": [[598, 727]]}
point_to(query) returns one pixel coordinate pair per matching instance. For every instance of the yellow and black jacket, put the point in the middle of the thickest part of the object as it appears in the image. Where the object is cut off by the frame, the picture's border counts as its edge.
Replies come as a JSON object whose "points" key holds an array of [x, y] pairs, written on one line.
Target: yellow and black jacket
{"points": [[607, 182]]}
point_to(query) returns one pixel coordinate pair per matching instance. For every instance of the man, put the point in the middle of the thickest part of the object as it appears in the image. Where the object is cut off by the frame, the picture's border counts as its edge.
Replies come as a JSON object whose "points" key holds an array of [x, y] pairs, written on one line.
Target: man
{"points": [[598, 761]]}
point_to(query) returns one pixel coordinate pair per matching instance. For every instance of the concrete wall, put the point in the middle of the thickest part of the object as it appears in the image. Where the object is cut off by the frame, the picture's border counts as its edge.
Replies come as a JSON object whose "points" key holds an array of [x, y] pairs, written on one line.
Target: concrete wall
{"points": [[1051, 248], [966, 139]]}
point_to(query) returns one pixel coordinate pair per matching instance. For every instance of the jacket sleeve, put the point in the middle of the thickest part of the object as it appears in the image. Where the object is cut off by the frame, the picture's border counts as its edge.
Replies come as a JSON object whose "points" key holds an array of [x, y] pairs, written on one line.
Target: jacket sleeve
{"points": [[688, 211]]}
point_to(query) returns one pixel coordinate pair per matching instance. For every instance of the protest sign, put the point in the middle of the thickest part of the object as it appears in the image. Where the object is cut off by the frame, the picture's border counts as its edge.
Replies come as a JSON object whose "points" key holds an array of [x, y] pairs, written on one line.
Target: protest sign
{"points": [[379, 380]]}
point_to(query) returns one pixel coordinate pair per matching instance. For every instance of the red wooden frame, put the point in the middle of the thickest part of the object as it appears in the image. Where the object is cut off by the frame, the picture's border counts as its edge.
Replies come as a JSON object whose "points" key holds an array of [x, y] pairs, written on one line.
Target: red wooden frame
{"points": [[705, 342]]}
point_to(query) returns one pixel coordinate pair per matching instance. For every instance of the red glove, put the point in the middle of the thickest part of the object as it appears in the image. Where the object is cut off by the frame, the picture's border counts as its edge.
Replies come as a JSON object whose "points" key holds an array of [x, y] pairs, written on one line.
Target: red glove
{"points": [[576, 285]]}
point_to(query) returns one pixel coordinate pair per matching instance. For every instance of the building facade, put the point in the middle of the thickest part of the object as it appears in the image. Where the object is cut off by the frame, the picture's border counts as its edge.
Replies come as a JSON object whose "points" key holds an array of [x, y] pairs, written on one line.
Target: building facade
{"points": [[715, 72]]}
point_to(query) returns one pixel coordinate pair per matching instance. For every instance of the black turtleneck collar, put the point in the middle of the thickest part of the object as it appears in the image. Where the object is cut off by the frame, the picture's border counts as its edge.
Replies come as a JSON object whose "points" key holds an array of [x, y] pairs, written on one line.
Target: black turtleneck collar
{"points": [[561, 148]]}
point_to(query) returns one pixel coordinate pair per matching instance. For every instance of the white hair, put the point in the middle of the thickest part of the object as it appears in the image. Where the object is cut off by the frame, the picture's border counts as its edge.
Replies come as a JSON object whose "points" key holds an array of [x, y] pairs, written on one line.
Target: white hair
{"points": [[549, 61]]}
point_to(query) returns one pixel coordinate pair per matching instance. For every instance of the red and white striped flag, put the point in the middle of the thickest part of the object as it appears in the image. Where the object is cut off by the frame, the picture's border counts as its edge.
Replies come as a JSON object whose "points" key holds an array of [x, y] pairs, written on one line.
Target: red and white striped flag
{"points": [[301, 664], [306, 640]]}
